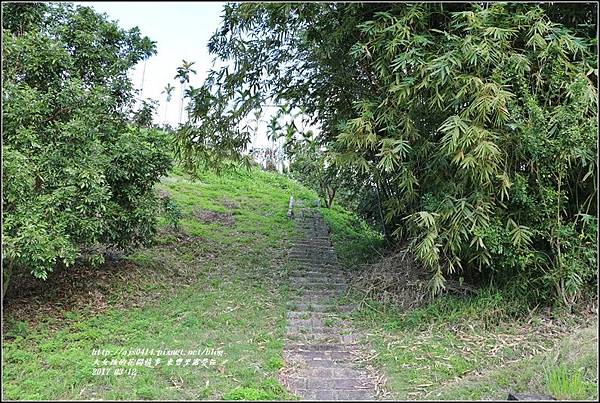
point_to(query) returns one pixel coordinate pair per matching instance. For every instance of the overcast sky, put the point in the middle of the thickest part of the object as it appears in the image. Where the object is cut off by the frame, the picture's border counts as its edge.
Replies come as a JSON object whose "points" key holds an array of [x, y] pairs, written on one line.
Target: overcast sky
{"points": [[181, 30]]}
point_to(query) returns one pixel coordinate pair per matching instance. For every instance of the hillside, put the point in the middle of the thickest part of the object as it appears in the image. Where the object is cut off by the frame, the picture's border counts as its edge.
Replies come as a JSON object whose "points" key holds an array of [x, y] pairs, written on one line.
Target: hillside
{"points": [[216, 282], [219, 282], [443, 162]]}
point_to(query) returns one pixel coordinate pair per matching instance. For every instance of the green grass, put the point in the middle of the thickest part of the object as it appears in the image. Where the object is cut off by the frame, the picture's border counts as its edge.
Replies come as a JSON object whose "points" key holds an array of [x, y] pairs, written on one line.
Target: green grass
{"points": [[567, 372], [566, 383], [223, 288], [268, 390], [440, 350], [355, 242], [487, 307], [422, 349]]}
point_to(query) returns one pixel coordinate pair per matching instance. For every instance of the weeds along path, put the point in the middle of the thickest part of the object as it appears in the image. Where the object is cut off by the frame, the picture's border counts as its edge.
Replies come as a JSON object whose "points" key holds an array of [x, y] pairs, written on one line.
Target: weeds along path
{"points": [[323, 353]]}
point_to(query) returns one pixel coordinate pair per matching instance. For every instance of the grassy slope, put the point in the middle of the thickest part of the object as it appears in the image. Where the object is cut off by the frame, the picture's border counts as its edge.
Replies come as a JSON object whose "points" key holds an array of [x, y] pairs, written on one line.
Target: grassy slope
{"points": [[567, 372], [221, 286], [468, 348], [217, 286]]}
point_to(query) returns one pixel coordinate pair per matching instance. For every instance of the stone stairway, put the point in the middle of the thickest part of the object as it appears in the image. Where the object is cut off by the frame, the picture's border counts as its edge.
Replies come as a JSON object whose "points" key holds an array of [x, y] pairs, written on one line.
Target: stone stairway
{"points": [[321, 348]]}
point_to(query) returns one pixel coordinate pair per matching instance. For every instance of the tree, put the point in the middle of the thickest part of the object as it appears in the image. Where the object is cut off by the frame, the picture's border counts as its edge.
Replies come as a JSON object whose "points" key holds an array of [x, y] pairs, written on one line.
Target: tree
{"points": [[144, 116], [77, 177], [168, 91], [475, 125], [183, 75], [309, 166]]}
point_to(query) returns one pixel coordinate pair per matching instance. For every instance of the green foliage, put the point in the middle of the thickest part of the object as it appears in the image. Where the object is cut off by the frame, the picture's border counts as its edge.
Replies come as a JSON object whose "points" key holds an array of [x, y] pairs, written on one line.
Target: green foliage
{"points": [[17, 329], [492, 122], [184, 71], [488, 307], [144, 116], [21, 17], [566, 383], [209, 285], [268, 390], [172, 211], [475, 125], [309, 167], [355, 241], [275, 363], [183, 75], [76, 176]]}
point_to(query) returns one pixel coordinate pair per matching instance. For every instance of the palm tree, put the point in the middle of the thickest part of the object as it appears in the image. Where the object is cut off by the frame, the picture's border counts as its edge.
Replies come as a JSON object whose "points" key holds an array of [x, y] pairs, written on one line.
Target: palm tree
{"points": [[169, 92], [183, 75]]}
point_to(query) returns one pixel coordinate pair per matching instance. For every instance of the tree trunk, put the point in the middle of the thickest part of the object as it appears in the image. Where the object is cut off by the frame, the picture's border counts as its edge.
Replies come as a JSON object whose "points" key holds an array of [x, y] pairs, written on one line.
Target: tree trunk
{"points": [[181, 104], [381, 211], [330, 196], [6, 274]]}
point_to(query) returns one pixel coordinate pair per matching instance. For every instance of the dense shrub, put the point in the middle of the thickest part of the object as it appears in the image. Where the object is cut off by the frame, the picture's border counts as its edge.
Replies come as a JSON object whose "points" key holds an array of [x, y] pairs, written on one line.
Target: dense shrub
{"points": [[172, 211], [77, 177]]}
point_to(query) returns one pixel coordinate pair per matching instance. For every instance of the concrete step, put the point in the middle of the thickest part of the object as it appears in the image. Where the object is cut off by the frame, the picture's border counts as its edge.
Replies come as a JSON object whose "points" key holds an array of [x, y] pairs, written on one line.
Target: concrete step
{"points": [[326, 308], [314, 261], [297, 292], [324, 244], [312, 247], [314, 295], [320, 287], [308, 247], [332, 395], [318, 281], [306, 315], [312, 236], [320, 258], [322, 347], [323, 383], [318, 331], [323, 338], [333, 273], [318, 278], [308, 250], [321, 268], [326, 325]]}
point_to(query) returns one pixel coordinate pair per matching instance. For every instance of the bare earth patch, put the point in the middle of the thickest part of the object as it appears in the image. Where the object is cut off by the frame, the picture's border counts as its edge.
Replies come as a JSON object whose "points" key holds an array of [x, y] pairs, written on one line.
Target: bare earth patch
{"points": [[117, 283], [398, 279], [230, 204], [178, 237], [211, 217], [82, 286]]}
